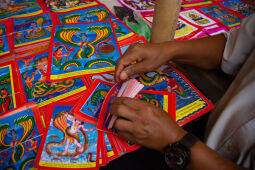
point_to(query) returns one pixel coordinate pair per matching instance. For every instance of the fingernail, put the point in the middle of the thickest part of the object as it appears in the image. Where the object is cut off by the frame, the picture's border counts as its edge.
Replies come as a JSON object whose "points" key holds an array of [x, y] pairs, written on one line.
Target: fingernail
{"points": [[123, 75]]}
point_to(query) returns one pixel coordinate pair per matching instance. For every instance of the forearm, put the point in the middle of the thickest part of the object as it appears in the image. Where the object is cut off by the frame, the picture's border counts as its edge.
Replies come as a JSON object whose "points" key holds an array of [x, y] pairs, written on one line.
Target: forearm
{"points": [[204, 53], [202, 157]]}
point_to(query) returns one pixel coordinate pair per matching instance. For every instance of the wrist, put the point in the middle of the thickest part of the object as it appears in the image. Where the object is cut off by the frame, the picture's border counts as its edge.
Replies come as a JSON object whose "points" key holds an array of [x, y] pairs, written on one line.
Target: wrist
{"points": [[172, 49], [173, 137], [178, 136], [177, 155]]}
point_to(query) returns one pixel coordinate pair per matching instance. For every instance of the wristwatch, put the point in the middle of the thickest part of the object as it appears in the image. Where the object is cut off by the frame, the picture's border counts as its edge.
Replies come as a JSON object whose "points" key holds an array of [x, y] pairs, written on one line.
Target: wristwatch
{"points": [[177, 155]]}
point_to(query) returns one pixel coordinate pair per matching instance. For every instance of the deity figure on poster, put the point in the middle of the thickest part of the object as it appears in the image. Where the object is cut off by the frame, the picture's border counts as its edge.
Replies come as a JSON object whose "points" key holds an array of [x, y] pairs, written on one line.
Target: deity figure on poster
{"points": [[5, 98], [73, 133]]}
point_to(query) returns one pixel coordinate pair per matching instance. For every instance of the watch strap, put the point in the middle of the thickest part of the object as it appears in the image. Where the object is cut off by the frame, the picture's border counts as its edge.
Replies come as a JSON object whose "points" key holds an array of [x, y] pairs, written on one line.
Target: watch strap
{"points": [[188, 140]]}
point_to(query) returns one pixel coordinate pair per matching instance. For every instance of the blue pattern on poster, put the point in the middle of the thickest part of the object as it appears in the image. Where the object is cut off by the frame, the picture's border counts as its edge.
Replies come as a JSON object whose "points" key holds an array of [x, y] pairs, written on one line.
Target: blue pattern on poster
{"points": [[83, 47], [221, 15], [32, 29], [69, 140], [98, 13], [20, 142], [6, 91], [33, 72], [4, 45], [18, 7], [239, 6], [94, 103]]}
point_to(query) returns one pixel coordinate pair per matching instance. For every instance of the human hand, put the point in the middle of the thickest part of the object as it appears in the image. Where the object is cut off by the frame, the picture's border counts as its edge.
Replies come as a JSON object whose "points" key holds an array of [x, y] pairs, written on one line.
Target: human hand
{"points": [[144, 123], [148, 57]]}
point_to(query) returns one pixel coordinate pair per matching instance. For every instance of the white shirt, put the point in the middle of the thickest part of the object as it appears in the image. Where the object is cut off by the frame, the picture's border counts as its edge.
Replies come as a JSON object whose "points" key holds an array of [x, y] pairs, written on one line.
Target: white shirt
{"points": [[231, 126]]}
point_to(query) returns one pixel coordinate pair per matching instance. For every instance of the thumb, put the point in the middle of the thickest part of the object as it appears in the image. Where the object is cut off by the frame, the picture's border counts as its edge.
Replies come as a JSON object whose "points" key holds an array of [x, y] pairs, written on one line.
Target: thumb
{"points": [[132, 70]]}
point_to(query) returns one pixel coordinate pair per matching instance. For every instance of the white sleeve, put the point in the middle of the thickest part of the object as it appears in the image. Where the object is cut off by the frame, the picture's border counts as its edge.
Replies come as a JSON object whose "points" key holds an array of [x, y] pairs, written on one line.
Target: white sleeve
{"points": [[240, 43]]}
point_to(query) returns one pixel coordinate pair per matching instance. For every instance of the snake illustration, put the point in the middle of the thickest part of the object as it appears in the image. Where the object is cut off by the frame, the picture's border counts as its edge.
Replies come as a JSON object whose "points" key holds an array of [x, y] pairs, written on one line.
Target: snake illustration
{"points": [[39, 32], [150, 98], [60, 122], [67, 64], [42, 89], [100, 13], [65, 35], [150, 81], [96, 97]]}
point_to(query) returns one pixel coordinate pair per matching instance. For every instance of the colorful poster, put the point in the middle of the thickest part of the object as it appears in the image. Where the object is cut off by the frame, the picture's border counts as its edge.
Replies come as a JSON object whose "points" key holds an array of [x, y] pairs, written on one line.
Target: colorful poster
{"points": [[193, 3], [145, 6], [164, 100], [97, 13], [19, 8], [190, 103], [4, 42], [68, 142], [225, 17], [90, 105], [9, 91], [185, 31], [21, 131], [32, 72], [111, 151], [34, 29], [81, 49], [68, 5], [197, 18], [239, 6]]}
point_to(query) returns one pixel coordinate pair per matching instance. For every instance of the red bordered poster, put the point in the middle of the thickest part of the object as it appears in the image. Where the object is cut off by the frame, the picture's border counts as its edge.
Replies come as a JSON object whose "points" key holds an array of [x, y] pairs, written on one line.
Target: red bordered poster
{"points": [[96, 13], [32, 71], [6, 42], [192, 3], [9, 87], [21, 131], [84, 51], [239, 7], [31, 30], [189, 108], [189, 100], [221, 14], [66, 6], [109, 146], [184, 30], [139, 6], [88, 108], [102, 155], [11, 9], [197, 18], [79, 147]]}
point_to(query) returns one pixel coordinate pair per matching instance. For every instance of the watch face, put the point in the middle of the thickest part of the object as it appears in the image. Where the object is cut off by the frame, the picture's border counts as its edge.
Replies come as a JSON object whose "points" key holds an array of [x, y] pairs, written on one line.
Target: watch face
{"points": [[177, 156]]}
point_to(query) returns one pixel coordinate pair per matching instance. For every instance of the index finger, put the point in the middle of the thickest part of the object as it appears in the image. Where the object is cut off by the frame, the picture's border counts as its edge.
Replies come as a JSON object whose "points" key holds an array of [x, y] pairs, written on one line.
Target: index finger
{"points": [[123, 111], [127, 58], [132, 103]]}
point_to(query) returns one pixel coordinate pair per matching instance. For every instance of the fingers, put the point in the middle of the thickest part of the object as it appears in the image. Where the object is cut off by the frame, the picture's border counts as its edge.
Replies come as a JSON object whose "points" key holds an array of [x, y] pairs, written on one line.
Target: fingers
{"points": [[132, 70], [131, 55], [123, 125], [123, 111], [131, 103]]}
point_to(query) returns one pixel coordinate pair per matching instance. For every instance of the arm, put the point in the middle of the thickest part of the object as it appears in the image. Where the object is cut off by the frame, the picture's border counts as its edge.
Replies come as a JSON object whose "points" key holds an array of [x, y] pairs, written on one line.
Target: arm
{"points": [[150, 126], [205, 53]]}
